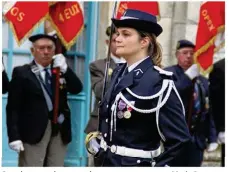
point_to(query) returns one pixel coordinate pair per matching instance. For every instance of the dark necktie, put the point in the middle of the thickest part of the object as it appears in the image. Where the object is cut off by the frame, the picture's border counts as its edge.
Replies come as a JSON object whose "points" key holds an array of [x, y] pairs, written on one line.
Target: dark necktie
{"points": [[125, 72], [48, 81]]}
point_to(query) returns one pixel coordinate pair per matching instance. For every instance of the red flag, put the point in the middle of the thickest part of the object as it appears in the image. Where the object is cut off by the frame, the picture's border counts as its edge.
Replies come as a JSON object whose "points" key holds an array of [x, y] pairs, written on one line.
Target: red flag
{"points": [[67, 19], [211, 23], [23, 17], [151, 7]]}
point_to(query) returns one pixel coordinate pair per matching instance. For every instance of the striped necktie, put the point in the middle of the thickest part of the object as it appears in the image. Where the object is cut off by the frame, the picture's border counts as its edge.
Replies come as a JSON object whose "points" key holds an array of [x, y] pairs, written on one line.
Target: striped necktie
{"points": [[48, 80]]}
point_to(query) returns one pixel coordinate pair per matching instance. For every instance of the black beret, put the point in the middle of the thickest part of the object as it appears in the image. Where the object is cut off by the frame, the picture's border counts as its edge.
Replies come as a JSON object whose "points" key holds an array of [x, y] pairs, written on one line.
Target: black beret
{"points": [[184, 43], [40, 36]]}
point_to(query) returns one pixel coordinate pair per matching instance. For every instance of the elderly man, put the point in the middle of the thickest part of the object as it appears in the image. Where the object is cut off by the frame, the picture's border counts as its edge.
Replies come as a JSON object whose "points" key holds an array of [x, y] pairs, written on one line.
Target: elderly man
{"points": [[193, 89], [30, 106]]}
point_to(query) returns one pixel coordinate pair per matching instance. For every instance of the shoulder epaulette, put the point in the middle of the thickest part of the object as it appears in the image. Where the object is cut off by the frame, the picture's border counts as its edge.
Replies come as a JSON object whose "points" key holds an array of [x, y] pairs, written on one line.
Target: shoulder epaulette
{"points": [[164, 72]]}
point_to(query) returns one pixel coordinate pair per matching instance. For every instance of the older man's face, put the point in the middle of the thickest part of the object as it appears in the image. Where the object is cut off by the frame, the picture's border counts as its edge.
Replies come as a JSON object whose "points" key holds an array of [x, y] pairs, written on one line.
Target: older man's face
{"points": [[43, 50], [185, 57]]}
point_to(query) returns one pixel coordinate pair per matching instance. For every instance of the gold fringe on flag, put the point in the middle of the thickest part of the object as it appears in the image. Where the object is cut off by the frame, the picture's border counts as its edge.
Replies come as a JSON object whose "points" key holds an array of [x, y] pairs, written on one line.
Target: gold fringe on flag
{"points": [[29, 32], [205, 48], [66, 44]]}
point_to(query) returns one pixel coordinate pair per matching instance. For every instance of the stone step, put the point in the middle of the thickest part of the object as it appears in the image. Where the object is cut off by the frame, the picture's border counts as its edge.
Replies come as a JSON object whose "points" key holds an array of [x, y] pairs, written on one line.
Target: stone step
{"points": [[212, 159]]}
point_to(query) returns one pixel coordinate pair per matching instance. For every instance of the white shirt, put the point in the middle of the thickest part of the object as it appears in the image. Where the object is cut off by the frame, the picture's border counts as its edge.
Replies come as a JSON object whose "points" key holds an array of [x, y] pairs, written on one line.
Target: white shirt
{"points": [[42, 71], [130, 68], [118, 60]]}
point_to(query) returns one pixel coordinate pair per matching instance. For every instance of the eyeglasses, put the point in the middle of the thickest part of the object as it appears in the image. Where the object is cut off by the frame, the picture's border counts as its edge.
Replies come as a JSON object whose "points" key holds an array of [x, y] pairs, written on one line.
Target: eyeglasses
{"points": [[42, 48]]}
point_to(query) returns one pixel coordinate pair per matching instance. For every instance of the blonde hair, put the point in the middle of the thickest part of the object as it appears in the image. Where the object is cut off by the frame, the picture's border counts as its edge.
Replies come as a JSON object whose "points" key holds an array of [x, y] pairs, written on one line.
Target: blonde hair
{"points": [[154, 49]]}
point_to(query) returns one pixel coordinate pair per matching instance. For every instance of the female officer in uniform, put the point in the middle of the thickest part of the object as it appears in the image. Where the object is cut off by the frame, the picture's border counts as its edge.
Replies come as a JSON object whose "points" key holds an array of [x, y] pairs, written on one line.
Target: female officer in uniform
{"points": [[142, 106]]}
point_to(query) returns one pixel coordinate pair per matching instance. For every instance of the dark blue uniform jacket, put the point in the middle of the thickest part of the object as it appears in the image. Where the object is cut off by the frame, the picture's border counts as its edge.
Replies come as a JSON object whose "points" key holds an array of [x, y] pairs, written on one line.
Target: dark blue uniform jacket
{"points": [[140, 131]]}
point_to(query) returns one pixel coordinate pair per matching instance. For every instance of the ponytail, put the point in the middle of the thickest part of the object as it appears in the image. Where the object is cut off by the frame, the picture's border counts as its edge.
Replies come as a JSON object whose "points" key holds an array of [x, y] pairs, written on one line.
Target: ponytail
{"points": [[154, 49]]}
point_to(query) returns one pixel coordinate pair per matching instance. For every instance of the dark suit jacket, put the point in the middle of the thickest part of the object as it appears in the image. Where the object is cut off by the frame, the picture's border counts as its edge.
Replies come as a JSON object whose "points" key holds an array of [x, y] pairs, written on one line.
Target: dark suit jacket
{"points": [[97, 71], [5, 82], [140, 130], [27, 111], [217, 94], [203, 124]]}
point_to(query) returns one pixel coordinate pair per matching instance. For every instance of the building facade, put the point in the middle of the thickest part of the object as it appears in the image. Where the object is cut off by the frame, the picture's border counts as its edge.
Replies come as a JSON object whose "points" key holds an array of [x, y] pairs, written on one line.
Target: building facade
{"points": [[179, 20]]}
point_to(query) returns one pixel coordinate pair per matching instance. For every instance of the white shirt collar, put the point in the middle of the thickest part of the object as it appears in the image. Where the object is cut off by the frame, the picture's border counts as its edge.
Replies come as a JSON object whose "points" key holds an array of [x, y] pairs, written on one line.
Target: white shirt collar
{"points": [[130, 68], [41, 68], [118, 60]]}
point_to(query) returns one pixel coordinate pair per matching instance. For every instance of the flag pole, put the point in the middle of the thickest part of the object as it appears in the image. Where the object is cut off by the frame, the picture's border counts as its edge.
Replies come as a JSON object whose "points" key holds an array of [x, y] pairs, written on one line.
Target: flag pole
{"points": [[56, 96], [108, 59]]}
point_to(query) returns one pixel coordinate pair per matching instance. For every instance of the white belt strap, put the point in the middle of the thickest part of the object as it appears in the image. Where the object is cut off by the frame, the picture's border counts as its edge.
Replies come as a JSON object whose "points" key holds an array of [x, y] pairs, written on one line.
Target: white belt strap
{"points": [[137, 153], [130, 152]]}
